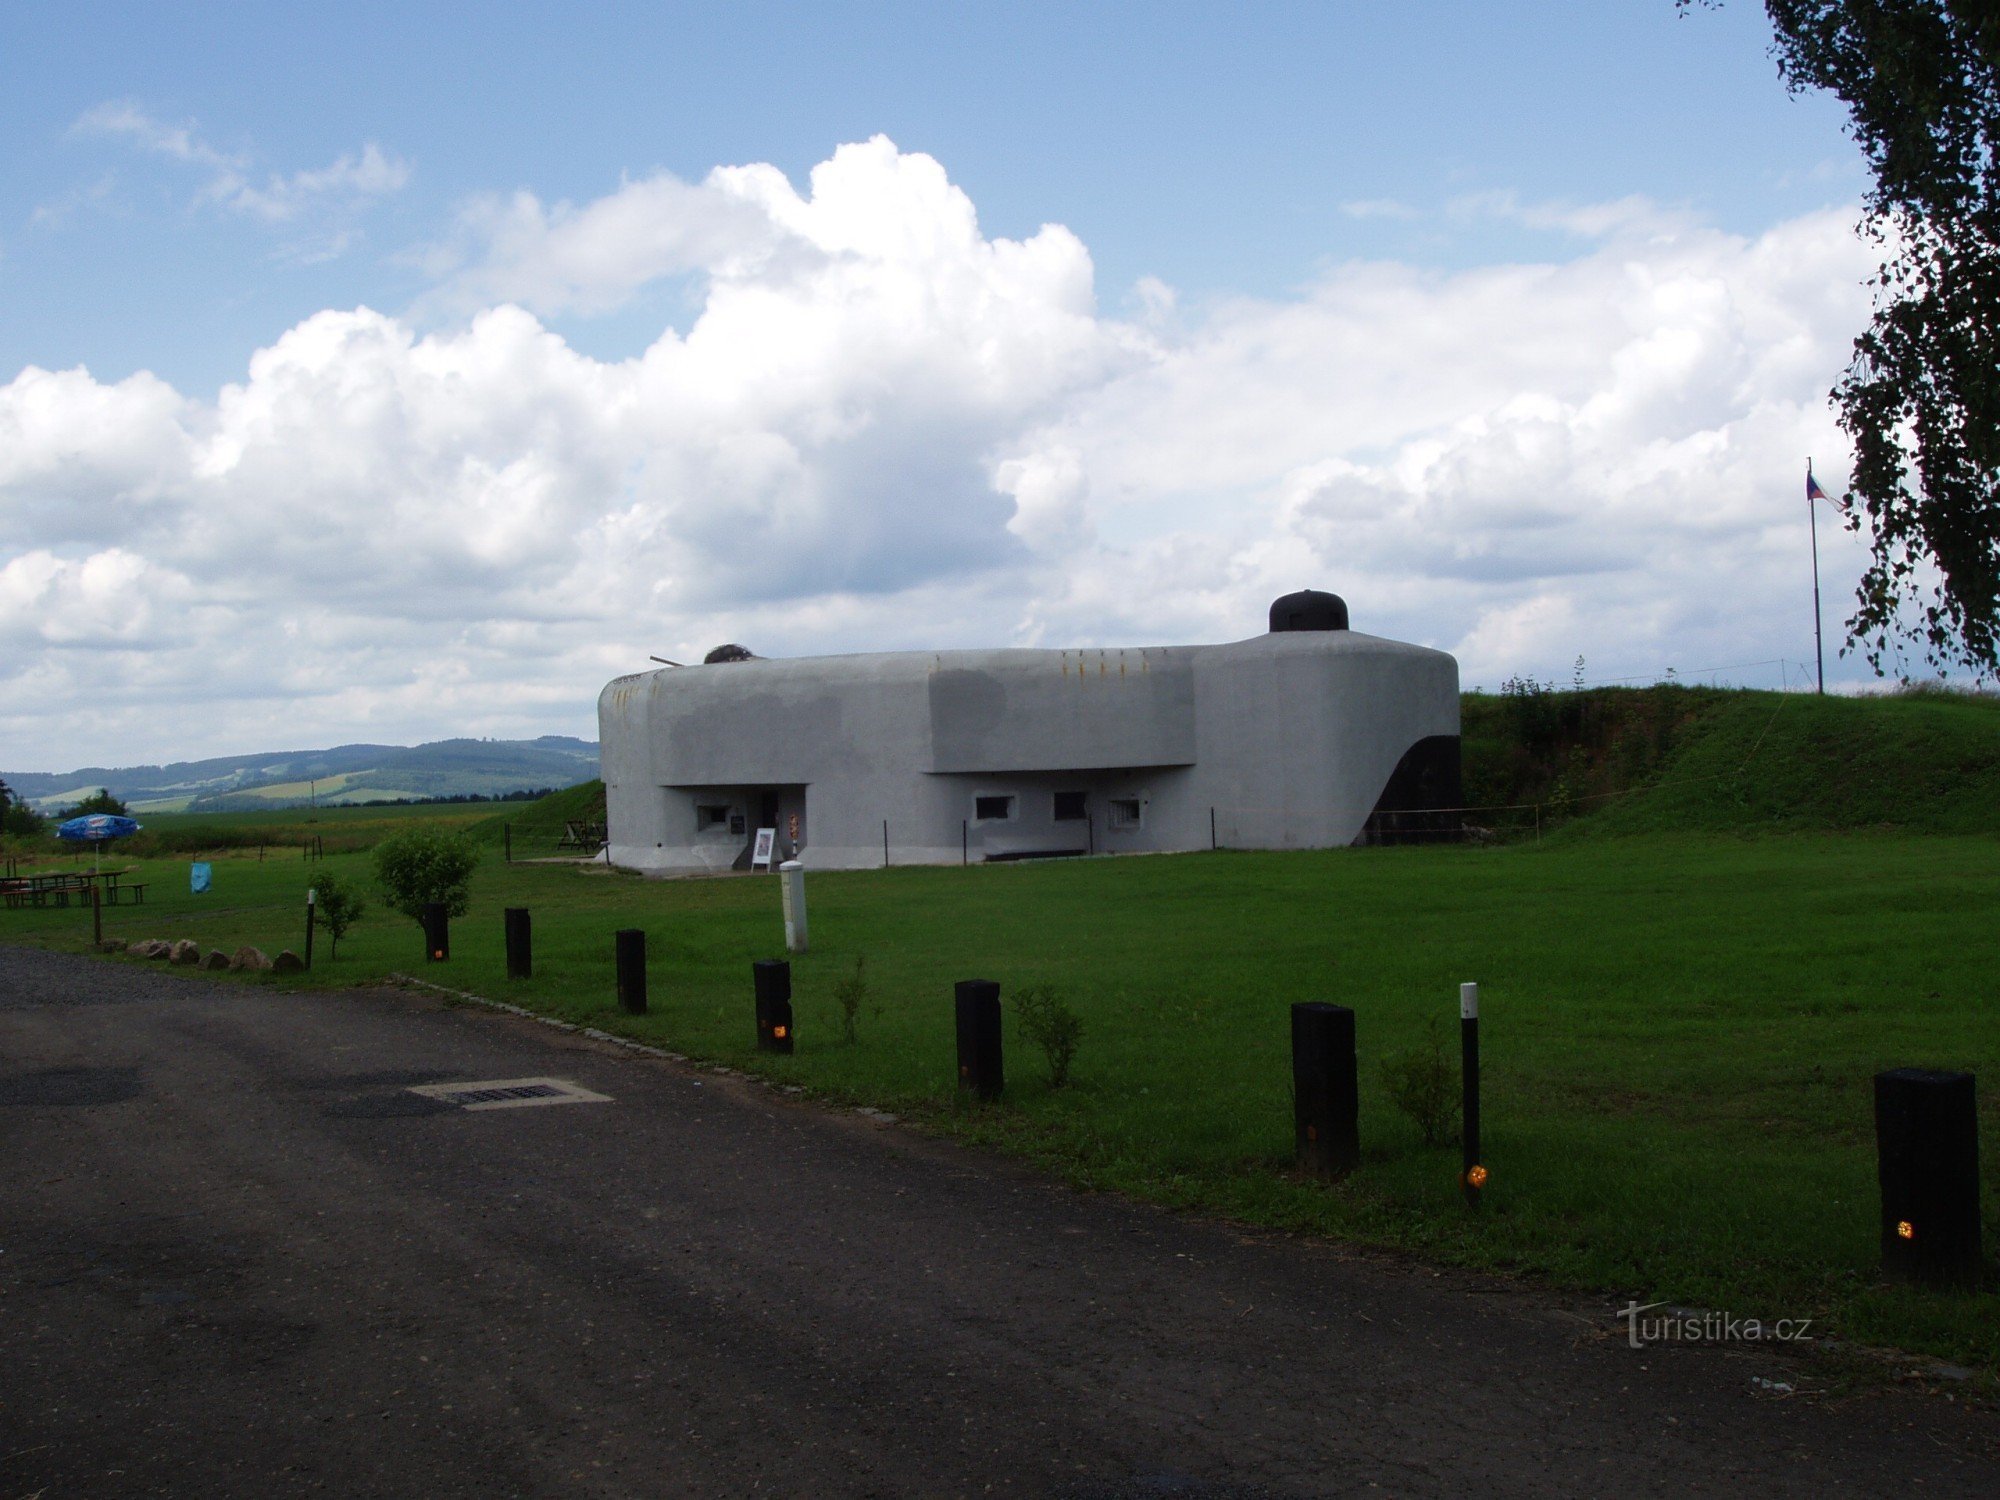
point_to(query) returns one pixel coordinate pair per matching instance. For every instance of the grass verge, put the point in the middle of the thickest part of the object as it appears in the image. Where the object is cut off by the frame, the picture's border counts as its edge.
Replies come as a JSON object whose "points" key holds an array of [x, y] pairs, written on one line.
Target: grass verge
{"points": [[1680, 1031]]}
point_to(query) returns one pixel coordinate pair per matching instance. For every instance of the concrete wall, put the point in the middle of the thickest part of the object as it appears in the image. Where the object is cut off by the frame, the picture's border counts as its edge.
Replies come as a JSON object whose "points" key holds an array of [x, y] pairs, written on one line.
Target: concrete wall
{"points": [[1288, 739]]}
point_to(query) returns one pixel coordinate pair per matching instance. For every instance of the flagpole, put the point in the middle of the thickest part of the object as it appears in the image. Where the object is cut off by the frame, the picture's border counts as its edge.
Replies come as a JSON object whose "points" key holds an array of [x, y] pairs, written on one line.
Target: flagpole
{"points": [[1819, 651]]}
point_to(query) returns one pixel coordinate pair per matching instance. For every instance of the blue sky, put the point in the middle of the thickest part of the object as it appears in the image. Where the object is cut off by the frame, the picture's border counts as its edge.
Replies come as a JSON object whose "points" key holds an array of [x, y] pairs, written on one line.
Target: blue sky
{"points": [[1223, 150], [1430, 303]]}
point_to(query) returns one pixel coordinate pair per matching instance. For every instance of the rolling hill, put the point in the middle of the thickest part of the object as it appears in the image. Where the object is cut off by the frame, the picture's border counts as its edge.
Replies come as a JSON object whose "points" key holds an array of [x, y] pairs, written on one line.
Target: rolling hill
{"points": [[343, 774]]}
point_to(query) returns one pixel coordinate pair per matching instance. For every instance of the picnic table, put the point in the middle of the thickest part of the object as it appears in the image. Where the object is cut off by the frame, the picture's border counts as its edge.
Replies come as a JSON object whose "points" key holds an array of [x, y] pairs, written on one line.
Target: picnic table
{"points": [[56, 887], [582, 835]]}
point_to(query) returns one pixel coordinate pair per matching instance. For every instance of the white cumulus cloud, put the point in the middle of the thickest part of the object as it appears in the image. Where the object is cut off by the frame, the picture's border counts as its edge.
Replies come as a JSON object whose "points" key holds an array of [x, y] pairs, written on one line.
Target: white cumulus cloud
{"points": [[885, 428]]}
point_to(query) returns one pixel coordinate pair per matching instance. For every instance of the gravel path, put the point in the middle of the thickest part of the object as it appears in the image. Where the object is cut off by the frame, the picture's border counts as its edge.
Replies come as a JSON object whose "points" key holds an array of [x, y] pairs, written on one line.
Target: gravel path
{"points": [[240, 1257]]}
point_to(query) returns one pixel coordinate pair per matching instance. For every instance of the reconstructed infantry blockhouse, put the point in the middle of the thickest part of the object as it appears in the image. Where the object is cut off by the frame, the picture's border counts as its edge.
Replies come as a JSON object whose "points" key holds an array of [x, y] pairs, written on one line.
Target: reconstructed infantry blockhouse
{"points": [[1308, 737]]}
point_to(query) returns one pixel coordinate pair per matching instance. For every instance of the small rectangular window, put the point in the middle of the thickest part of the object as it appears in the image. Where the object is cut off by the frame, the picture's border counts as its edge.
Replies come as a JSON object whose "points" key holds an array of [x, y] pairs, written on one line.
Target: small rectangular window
{"points": [[709, 815], [1125, 812], [992, 809], [1070, 807]]}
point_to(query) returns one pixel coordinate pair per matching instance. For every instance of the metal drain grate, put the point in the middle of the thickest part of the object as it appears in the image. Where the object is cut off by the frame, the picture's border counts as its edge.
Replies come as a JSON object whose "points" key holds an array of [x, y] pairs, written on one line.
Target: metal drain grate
{"points": [[510, 1093]]}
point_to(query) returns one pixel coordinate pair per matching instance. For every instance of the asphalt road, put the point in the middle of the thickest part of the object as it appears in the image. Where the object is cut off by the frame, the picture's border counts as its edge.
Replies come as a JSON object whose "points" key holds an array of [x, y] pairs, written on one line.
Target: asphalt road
{"points": [[239, 1257]]}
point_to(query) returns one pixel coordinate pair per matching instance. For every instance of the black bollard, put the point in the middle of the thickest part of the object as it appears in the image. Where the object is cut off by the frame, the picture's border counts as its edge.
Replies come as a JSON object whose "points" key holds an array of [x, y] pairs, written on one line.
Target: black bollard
{"points": [[772, 978], [1326, 1097], [437, 932], [1927, 1156], [979, 1037], [631, 949], [1472, 1176], [520, 950]]}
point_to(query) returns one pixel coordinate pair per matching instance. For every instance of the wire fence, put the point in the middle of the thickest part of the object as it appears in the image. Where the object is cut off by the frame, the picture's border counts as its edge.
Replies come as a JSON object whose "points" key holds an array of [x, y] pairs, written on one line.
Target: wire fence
{"points": [[520, 842]]}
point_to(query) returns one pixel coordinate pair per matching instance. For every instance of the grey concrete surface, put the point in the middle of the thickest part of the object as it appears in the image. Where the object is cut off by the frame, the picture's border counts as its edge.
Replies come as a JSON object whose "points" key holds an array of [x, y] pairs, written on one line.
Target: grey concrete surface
{"points": [[238, 1257], [1282, 741]]}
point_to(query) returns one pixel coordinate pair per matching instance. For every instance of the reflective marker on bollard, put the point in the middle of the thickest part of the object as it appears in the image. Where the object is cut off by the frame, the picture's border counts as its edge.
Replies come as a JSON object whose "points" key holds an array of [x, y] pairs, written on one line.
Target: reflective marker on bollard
{"points": [[520, 950], [979, 1037], [773, 980], [437, 932], [631, 950], [1326, 1097]]}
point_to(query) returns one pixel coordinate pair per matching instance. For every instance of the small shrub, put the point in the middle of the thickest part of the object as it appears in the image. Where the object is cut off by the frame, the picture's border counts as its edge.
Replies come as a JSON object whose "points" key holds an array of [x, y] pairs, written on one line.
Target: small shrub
{"points": [[21, 820], [1044, 1018], [424, 865], [1423, 1083], [850, 992], [340, 907]]}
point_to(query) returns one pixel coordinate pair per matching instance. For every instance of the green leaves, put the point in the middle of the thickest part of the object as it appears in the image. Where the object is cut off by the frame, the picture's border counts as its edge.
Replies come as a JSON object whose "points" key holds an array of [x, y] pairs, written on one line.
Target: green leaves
{"points": [[1921, 398], [1046, 1019], [426, 865], [99, 801], [340, 906]]}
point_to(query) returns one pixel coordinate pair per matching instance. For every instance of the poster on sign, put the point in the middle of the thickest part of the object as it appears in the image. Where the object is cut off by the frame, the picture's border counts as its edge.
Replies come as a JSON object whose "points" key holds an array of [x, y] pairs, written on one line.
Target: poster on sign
{"points": [[767, 839]]}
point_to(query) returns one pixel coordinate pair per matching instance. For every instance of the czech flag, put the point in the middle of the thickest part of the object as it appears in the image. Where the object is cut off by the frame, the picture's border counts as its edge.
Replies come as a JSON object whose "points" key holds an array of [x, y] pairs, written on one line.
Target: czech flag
{"points": [[1814, 492]]}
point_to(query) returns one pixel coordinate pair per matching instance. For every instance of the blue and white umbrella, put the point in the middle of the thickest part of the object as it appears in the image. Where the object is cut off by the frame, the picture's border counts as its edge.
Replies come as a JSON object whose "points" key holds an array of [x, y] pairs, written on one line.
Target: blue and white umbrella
{"points": [[96, 827]]}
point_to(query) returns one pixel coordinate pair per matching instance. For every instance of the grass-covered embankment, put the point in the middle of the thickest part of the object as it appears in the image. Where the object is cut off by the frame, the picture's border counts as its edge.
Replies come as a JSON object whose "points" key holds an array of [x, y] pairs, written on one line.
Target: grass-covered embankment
{"points": [[1670, 759]]}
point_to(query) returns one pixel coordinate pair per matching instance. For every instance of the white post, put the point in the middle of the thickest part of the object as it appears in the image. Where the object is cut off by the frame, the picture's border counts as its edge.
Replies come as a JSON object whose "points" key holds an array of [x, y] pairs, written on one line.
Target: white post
{"points": [[792, 885]]}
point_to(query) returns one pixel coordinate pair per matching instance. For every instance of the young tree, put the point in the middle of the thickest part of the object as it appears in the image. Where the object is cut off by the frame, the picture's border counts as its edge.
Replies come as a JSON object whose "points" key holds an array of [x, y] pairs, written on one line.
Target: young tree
{"points": [[340, 907], [424, 865], [1921, 399]]}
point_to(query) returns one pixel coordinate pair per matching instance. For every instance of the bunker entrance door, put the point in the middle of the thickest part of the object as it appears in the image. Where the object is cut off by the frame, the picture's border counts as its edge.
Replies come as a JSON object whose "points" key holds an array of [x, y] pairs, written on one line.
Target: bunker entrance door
{"points": [[782, 808]]}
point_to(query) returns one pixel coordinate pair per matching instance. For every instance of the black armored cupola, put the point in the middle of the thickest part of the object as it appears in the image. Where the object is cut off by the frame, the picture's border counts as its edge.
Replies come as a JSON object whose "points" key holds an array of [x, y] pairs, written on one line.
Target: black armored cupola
{"points": [[1309, 609]]}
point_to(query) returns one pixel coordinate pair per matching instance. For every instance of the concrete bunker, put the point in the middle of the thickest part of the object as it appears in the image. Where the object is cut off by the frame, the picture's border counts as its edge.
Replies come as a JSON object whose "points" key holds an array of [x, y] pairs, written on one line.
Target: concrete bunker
{"points": [[1311, 735]]}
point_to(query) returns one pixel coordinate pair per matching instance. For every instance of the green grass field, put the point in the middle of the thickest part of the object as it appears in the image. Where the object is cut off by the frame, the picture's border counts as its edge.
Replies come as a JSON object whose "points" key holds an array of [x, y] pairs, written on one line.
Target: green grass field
{"points": [[1679, 1034]]}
